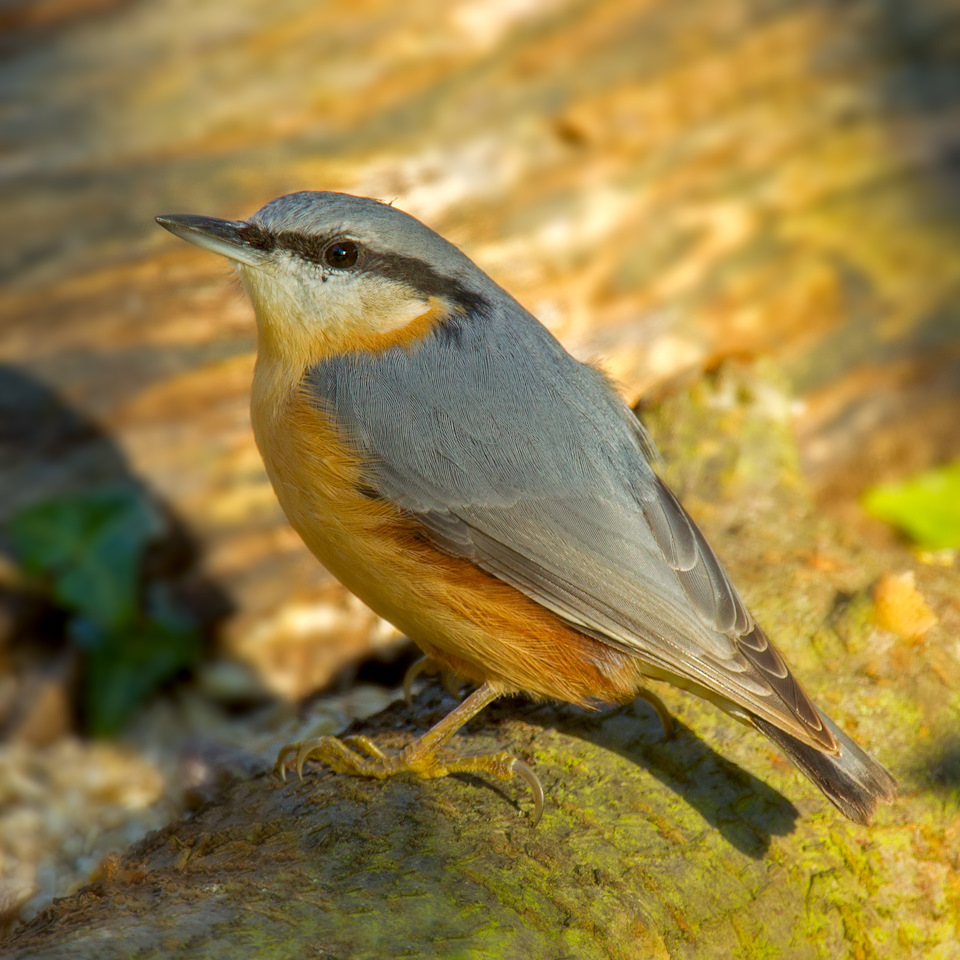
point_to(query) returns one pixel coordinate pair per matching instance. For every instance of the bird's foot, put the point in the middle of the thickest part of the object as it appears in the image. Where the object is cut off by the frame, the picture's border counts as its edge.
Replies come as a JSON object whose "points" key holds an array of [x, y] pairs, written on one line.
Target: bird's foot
{"points": [[360, 756], [428, 665]]}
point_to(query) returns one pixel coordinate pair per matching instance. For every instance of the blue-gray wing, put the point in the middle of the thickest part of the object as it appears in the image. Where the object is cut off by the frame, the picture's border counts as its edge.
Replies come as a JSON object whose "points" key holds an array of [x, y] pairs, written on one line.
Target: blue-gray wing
{"points": [[515, 456]]}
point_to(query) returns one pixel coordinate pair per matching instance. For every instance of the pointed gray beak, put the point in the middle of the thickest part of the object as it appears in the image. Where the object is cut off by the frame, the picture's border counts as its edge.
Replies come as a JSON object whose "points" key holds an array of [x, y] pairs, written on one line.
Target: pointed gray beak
{"points": [[234, 239]]}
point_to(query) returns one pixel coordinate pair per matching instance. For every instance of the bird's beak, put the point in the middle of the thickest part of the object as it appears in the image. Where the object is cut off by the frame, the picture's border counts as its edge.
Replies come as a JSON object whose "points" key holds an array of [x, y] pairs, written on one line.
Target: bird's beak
{"points": [[229, 238]]}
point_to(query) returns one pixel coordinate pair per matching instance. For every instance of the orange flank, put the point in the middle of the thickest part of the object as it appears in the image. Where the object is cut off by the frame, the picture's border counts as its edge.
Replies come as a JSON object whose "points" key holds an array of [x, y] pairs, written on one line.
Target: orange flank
{"points": [[465, 619]]}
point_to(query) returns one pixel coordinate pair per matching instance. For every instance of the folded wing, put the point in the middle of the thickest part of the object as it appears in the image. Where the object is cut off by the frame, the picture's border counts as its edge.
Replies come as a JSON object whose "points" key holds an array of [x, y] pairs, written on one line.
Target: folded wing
{"points": [[543, 482]]}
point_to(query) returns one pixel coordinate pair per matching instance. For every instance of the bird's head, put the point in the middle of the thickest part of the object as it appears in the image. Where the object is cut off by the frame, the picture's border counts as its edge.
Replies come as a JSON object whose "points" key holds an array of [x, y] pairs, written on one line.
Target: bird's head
{"points": [[330, 273]]}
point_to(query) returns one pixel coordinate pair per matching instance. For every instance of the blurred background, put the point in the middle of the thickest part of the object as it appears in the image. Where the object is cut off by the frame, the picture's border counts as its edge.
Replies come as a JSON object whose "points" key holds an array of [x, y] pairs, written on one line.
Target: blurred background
{"points": [[665, 183]]}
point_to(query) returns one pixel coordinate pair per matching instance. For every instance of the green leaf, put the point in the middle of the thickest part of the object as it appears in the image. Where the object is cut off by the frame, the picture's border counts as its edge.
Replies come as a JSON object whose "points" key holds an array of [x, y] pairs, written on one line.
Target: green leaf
{"points": [[926, 507], [89, 546], [123, 668]]}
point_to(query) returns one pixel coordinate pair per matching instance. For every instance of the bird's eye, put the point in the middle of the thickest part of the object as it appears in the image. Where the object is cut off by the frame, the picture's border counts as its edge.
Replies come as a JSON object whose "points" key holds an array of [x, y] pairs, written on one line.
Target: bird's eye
{"points": [[342, 253]]}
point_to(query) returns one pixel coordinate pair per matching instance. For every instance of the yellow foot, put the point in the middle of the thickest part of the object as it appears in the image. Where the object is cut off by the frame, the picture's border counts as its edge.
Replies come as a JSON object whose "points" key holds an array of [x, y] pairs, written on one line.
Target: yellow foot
{"points": [[428, 665], [361, 757]]}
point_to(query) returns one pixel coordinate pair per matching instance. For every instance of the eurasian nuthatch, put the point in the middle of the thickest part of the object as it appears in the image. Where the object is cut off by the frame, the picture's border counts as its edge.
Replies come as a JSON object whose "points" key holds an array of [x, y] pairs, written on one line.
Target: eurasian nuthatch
{"points": [[453, 466]]}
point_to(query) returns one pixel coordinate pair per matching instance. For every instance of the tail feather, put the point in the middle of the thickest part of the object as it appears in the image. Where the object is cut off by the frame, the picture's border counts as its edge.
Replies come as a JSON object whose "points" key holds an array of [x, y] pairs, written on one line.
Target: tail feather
{"points": [[852, 780]]}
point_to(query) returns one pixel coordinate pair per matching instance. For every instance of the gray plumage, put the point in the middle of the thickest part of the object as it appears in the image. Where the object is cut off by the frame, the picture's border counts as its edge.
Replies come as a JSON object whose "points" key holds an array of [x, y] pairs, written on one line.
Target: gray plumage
{"points": [[515, 456], [522, 460]]}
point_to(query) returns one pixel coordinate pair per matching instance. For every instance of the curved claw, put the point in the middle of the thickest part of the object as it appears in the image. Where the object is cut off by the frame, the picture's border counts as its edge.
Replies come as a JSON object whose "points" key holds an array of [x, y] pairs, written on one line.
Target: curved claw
{"points": [[280, 764], [429, 665], [303, 753], [423, 665], [521, 769]]}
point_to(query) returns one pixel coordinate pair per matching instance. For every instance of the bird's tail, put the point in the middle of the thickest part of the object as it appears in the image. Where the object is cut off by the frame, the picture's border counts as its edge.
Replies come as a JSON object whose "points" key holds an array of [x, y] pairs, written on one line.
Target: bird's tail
{"points": [[852, 780]]}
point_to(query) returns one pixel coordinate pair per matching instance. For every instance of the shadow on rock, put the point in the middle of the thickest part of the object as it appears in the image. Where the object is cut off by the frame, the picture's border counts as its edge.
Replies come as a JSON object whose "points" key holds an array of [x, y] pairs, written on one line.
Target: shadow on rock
{"points": [[744, 809], [939, 768]]}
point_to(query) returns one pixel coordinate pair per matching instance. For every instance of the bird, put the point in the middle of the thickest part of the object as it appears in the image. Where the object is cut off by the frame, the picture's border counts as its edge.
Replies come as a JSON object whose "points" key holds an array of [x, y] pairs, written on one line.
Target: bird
{"points": [[441, 453]]}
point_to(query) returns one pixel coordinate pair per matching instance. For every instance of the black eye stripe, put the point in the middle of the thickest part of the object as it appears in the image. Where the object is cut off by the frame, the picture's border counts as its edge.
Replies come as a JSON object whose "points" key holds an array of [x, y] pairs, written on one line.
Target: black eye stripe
{"points": [[255, 236], [310, 248], [307, 248], [411, 271], [423, 278]]}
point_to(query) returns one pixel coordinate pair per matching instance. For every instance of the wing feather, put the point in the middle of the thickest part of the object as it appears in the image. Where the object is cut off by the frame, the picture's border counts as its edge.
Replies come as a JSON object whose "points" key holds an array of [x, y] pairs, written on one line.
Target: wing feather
{"points": [[544, 482]]}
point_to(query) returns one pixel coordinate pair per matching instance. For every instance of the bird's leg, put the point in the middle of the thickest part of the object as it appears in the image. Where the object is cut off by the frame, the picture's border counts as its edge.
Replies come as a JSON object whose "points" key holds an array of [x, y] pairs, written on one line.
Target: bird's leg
{"points": [[659, 707], [360, 756], [428, 665]]}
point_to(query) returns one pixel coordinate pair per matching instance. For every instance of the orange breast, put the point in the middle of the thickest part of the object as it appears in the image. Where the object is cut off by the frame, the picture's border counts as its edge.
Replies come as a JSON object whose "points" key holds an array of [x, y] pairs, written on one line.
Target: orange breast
{"points": [[466, 619]]}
